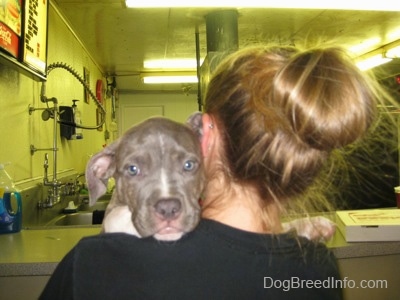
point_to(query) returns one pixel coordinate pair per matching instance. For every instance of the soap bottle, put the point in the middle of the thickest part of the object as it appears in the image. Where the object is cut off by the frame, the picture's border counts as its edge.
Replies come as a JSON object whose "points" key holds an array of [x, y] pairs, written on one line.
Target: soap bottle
{"points": [[77, 120], [10, 215]]}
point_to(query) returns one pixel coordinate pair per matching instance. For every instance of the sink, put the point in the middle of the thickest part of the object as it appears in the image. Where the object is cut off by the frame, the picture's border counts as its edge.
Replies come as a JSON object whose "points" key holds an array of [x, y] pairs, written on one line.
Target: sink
{"points": [[105, 197], [99, 205], [78, 219], [72, 219], [85, 216]]}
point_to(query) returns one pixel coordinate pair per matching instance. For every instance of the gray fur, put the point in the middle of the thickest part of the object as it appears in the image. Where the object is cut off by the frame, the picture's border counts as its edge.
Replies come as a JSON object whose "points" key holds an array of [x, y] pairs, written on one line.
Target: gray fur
{"points": [[158, 171]]}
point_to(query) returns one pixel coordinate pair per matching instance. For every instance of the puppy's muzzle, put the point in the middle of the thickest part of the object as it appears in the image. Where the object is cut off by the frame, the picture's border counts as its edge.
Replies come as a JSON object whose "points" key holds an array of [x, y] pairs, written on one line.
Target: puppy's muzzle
{"points": [[168, 209]]}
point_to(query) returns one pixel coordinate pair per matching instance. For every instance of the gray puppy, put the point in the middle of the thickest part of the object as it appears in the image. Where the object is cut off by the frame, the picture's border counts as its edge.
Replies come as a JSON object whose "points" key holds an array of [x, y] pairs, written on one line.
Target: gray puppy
{"points": [[158, 171]]}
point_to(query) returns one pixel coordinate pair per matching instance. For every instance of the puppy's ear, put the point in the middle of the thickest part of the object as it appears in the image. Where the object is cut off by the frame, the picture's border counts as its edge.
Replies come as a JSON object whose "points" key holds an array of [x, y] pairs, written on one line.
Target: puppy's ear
{"points": [[98, 170], [195, 121]]}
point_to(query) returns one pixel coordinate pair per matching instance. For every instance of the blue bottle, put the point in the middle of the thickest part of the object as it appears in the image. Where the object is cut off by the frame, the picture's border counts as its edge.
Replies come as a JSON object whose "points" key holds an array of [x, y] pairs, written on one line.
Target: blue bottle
{"points": [[10, 204]]}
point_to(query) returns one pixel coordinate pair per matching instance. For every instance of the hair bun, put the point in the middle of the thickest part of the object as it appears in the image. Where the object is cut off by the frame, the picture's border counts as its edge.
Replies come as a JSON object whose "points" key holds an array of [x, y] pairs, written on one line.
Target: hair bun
{"points": [[324, 95]]}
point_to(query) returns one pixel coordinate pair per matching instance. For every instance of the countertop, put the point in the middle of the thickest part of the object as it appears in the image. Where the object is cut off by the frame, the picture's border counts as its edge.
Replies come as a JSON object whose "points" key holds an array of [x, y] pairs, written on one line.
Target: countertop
{"points": [[36, 252]]}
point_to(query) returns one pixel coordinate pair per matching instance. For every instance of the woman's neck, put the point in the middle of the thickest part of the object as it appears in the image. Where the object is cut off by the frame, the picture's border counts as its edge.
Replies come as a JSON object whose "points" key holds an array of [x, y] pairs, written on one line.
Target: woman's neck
{"points": [[226, 201], [238, 207]]}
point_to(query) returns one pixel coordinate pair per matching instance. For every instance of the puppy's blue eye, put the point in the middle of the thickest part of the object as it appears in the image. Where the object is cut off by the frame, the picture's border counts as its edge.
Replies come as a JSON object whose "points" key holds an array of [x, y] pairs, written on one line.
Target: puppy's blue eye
{"points": [[133, 170], [189, 165]]}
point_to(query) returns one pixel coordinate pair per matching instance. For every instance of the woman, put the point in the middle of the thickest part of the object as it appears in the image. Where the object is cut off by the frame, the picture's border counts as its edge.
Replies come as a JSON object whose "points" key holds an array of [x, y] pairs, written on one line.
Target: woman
{"points": [[272, 116]]}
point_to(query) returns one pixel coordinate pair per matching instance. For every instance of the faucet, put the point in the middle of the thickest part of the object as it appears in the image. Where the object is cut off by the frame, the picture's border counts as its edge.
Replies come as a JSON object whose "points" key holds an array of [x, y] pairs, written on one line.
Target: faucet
{"points": [[54, 192], [53, 196], [45, 167], [77, 185]]}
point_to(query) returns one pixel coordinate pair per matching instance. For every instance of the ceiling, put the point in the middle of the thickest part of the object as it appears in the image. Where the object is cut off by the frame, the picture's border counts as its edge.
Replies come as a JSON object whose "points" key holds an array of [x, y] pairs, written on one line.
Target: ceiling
{"points": [[120, 39]]}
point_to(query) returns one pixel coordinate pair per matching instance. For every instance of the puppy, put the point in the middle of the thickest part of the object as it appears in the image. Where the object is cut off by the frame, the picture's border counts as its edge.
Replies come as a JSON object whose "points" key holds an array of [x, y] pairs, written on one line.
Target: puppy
{"points": [[159, 176], [158, 171]]}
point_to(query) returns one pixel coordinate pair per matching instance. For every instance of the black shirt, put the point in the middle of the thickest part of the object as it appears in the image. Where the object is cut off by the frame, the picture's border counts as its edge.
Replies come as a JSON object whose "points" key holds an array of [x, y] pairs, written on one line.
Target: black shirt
{"points": [[214, 261]]}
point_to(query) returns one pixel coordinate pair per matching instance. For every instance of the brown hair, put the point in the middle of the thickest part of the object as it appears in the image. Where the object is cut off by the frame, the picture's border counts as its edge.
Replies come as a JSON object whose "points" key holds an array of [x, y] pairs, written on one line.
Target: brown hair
{"points": [[281, 112]]}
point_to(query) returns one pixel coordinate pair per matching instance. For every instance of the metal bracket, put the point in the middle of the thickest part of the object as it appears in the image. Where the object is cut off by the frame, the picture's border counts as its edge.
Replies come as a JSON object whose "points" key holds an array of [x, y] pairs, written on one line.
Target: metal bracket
{"points": [[33, 149]]}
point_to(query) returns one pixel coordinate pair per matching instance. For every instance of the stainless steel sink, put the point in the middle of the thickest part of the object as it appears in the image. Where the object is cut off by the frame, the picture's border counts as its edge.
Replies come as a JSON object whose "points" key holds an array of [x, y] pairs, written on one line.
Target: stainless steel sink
{"points": [[99, 205], [86, 215], [72, 219], [78, 219]]}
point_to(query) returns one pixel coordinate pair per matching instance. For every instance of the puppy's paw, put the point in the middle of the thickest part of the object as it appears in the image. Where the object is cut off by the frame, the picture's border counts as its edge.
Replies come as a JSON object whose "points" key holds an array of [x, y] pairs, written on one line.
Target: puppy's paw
{"points": [[118, 219], [313, 228]]}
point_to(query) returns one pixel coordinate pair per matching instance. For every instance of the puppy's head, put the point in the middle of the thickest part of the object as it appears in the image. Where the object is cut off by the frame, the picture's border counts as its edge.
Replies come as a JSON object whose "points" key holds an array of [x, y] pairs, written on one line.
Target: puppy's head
{"points": [[158, 172]]}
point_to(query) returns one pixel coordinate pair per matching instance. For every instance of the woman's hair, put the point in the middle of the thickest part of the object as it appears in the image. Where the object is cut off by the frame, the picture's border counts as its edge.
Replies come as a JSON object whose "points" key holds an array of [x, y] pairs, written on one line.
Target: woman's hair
{"points": [[281, 111]]}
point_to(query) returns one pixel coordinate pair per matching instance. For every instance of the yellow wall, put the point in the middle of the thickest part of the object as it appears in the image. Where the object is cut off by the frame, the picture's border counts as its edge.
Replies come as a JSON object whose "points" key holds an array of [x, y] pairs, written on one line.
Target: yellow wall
{"points": [[175, 106], [18, 129]]}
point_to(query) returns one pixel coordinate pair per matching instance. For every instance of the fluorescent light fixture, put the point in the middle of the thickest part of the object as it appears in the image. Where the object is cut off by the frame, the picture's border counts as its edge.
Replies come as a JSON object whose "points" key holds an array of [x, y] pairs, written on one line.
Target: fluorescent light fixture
{"points": [[394, 35], [372, 62], [365, 45], [181, 63], [169, 77], [393, 53], [305, 4]]}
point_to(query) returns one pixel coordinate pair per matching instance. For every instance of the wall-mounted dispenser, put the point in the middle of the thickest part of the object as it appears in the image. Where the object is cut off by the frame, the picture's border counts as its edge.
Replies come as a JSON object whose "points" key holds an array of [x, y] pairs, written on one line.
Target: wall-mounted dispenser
{"points": [[67, 116], [70, 115], [77, 120]]}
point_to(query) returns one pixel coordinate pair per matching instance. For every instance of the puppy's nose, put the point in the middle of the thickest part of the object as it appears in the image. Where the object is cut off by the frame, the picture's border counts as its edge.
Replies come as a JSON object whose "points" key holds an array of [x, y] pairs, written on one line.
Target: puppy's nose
{"points": [[168, 209]]}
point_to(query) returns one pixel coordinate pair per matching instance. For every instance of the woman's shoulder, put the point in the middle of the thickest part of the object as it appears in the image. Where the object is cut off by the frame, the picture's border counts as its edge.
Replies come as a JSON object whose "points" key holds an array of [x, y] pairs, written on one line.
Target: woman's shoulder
{"points": [[268, 242], [198, 263], [102, 240], [214, 241], [210, 232]]}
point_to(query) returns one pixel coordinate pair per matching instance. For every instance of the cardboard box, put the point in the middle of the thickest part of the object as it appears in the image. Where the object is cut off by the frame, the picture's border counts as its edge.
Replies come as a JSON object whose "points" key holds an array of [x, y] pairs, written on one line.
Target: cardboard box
{"points": [[369, 225]]}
